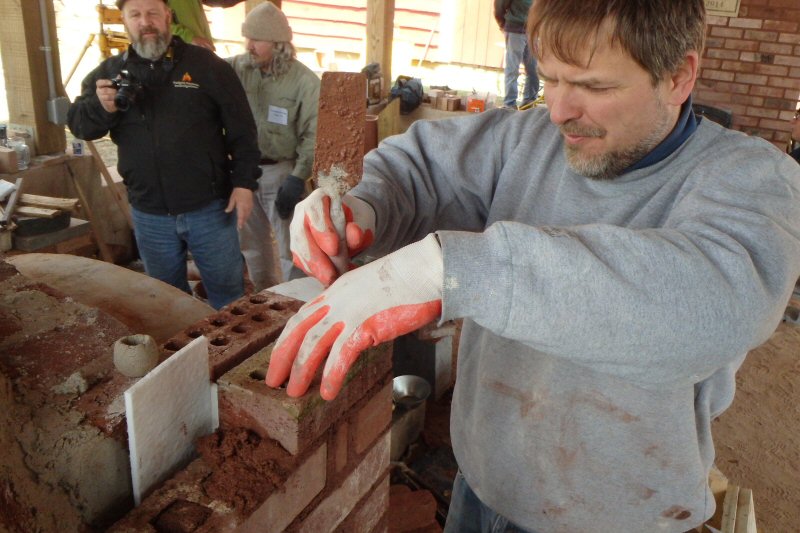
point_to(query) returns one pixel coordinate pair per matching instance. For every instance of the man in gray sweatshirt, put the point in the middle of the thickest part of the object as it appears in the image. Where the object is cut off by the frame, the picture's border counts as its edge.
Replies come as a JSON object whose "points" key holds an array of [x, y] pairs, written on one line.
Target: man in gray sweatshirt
{"points": [[613, 258]]}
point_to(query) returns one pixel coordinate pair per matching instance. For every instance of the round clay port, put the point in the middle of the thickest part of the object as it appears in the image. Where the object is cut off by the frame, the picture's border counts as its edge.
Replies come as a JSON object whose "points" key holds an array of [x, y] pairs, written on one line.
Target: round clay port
{"points": [[135, 355]]}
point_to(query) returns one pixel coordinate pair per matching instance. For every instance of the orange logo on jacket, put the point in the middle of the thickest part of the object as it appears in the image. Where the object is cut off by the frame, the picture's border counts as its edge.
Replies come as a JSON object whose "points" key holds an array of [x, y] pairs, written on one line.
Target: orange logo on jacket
{"points": [[185, 82]]}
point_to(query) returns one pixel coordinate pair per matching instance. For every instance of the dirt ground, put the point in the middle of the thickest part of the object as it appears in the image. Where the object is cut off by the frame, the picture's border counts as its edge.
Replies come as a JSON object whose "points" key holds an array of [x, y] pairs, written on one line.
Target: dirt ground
{"points": [[758, 438]]}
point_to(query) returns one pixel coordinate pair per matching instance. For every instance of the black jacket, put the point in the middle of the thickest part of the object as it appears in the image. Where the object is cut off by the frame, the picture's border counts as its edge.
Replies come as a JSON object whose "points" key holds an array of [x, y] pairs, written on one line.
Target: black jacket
{"points": [[189, 136]]}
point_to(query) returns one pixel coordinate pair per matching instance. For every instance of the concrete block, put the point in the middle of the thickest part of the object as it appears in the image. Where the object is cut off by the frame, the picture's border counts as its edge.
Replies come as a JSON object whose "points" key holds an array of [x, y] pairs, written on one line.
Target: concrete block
{"points": [[373, 419], [245, 401], [333, 510]]}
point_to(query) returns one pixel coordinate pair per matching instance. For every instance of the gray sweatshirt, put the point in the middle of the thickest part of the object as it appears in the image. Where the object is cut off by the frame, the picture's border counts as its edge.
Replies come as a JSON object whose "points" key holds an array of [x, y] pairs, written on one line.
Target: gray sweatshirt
{"points": [[604, 320]]}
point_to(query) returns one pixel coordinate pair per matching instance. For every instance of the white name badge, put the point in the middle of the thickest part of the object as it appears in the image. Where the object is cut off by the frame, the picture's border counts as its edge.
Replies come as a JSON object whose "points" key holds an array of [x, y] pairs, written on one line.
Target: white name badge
{"points": [[278, 115]]}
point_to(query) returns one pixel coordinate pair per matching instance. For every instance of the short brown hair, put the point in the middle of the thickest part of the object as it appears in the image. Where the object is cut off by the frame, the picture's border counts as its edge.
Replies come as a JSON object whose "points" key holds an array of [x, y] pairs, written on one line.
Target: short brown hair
{"points": [[656, 33]]}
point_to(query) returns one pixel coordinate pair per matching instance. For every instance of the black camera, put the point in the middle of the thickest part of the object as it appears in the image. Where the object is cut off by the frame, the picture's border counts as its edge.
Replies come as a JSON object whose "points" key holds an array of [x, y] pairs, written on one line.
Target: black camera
{"points": [[129, 89]]}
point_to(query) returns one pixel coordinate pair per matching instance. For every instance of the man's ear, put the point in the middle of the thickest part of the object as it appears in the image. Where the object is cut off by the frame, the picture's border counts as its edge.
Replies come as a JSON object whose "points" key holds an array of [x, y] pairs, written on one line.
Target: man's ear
{"points": [[683, 79]]}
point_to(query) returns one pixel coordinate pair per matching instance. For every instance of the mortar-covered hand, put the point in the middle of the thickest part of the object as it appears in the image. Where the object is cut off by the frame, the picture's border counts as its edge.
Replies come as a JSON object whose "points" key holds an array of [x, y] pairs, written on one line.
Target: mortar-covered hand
{"points": [[378, 302], [321, 228]]}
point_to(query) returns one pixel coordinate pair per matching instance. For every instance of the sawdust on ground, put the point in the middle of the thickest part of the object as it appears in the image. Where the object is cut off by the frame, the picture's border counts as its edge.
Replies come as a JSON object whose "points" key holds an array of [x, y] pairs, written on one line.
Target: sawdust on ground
{"points": [[758, 438]]}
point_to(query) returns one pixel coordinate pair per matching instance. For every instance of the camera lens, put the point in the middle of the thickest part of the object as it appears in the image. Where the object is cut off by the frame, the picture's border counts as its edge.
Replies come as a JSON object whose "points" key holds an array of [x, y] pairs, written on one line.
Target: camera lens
{"points": [[123, 100]]}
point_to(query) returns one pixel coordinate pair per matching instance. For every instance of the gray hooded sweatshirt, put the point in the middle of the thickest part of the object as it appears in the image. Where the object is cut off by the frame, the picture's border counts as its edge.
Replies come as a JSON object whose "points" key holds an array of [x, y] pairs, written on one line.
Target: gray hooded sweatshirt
{"points": [[604, 321]]}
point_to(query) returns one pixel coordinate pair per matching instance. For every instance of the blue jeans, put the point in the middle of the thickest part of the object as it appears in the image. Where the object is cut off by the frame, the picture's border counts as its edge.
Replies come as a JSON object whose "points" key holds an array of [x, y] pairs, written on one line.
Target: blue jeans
{"points": [[209, 234], [518, 51], [467, 514]]}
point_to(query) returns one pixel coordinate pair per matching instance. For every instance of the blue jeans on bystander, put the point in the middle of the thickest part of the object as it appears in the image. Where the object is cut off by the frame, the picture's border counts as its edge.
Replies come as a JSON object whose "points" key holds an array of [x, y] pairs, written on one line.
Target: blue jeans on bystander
{"points": [[467, 514], [209, 234], [518, 51]]}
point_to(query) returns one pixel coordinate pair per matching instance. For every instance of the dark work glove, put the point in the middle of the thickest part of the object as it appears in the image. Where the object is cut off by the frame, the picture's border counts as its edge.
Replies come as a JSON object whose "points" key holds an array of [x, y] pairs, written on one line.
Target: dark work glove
{"points": [[290, 192]]}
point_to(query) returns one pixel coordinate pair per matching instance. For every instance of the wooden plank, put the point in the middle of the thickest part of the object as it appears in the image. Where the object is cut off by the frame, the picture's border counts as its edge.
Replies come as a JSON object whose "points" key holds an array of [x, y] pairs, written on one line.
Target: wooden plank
{"points": [[25, 71], [379, 40], [332, 29], [745, 512], [718, 484], [121, 202], [297, 12], [105, 252], [389, 120], [729, 508], [324, 42], [37, 212], [48, 202]]}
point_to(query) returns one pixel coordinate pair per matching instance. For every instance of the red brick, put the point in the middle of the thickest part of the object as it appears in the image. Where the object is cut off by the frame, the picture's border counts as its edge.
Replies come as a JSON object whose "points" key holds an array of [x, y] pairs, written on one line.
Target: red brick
{"points": [[721, 53], [282, 507], [332, 510], [789, 38], [738, 66], [716, 20], [741, 121], [373, 419], [762, 113], [340, 450], [412, 510], [776, 125], [774, 92], [745, 23], [775, 48], [786, 83], [753, 79], [788, 61], [742, 45], [718, 75], [771, 70], [733, 33], [780, 25], [370, 512], [763, 36], [245, 401], [713, 96], [238, 330]]}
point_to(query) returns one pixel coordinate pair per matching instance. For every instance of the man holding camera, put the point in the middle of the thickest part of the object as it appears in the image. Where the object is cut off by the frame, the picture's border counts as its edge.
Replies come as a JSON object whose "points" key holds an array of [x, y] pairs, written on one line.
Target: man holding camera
{"points": [[187, 149]]}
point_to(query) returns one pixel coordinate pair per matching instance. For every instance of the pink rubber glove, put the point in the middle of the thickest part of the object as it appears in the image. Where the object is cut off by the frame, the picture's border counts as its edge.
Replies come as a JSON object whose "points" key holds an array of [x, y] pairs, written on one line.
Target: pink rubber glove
{"points": [[326, 232], [378, 302]]}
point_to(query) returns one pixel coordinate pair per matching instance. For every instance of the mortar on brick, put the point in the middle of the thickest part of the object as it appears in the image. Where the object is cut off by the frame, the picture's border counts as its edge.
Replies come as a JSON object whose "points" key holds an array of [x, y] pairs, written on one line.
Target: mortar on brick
{"points": [[294, 422]]}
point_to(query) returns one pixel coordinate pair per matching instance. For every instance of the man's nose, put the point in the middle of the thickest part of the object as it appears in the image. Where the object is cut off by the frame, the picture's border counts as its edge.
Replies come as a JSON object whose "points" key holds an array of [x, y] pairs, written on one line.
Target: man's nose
{"points": [[564, 105]]}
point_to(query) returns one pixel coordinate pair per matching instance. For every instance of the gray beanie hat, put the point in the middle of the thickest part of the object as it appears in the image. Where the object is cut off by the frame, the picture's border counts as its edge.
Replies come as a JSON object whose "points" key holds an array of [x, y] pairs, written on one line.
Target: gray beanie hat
{"points": [[121, 3], [265, 22]]}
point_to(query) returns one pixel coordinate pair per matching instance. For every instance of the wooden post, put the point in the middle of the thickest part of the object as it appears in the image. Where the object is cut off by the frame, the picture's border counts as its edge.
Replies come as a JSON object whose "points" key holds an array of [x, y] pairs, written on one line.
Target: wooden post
{"points": [[25, 70], [380, 23]]}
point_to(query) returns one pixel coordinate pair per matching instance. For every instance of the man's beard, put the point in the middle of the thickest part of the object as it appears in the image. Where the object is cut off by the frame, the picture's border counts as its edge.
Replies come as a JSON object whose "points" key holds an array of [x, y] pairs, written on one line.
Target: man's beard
{"points": [[609, 165], [258, 63], [152, 49]]}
